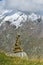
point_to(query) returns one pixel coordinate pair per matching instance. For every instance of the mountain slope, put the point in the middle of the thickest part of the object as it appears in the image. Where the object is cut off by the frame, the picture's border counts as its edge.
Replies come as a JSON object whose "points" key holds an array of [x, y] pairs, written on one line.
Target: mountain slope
{"points": [[30, 28]]}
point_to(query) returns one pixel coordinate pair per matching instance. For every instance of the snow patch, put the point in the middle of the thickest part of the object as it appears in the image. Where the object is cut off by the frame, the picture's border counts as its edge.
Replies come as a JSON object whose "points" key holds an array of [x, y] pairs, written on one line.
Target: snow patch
{"points": [[18, 18], [33, 17]]}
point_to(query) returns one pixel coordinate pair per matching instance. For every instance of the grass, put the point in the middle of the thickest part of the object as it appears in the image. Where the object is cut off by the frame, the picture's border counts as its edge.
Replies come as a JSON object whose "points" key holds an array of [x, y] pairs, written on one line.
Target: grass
{"points": [[6, 60]]}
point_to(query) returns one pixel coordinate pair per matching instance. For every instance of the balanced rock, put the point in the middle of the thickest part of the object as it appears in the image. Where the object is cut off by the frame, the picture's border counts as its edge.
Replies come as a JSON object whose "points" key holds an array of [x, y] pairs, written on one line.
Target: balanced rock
{"points": [[17, 47], [17, 50]]}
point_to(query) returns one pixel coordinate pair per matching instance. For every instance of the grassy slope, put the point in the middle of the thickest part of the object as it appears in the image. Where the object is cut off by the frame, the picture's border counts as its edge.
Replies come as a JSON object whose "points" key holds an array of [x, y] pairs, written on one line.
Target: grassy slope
{"points": [[6, 60]]}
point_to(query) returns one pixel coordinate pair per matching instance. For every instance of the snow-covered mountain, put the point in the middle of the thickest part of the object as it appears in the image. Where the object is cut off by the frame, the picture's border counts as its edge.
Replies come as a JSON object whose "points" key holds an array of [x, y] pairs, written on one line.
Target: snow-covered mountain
{"points": [[33, 16], [17, 18]]}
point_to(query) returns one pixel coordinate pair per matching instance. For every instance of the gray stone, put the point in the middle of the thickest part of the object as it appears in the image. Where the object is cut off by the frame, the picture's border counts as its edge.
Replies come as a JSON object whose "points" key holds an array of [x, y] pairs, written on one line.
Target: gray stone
{"points": [[19, 54]]}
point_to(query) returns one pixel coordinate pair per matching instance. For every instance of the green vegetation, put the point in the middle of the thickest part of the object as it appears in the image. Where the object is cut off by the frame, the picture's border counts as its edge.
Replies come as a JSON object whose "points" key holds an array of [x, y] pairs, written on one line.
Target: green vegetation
{"points": [[6, 60]]}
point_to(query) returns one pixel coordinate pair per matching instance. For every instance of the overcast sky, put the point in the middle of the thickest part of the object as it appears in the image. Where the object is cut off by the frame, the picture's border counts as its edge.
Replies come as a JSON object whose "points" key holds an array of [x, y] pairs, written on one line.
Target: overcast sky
{"points": [[27, 5]]}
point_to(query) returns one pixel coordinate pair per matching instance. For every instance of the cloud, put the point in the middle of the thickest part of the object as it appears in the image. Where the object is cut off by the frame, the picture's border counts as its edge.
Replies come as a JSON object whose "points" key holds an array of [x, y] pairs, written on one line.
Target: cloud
{"points": [[2, 3], [38, 1], [28, 5]]}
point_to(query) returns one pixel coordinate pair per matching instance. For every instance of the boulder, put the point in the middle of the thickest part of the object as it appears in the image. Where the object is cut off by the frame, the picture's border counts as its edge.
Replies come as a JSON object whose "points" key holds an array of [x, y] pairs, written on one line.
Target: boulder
{"points": [[19, 54]]}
